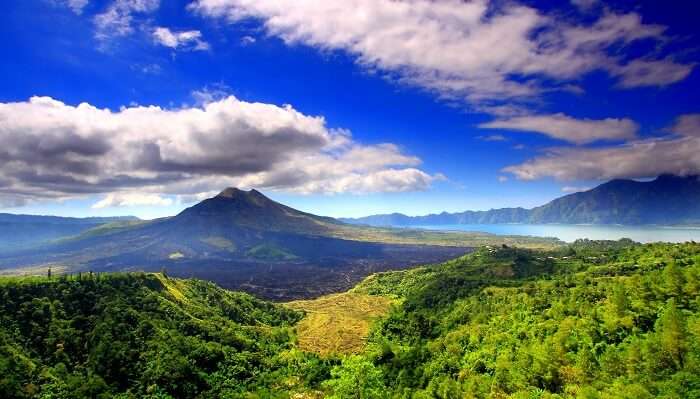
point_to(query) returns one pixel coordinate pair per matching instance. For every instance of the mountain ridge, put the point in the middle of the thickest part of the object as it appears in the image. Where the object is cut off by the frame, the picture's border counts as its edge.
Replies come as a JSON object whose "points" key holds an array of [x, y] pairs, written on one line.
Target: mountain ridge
{"points": [[666, 200]]}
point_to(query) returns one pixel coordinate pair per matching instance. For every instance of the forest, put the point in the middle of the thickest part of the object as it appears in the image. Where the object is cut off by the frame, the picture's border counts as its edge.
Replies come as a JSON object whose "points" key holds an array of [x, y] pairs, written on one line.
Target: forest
{"points": [[594, 319]]}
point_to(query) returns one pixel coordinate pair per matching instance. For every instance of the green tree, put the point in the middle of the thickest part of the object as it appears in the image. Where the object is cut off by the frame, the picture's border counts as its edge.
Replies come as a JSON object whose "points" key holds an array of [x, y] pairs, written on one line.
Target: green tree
{"points": [[670, 328], [356, 378], [674, 280]]}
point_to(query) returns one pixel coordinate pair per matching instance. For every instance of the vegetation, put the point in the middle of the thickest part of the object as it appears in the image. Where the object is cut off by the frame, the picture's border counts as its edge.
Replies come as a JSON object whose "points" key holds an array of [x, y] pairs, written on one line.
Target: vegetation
{"points": [[338, 323], [594, 320], [269, 252], [145, 336], [605, 319]]}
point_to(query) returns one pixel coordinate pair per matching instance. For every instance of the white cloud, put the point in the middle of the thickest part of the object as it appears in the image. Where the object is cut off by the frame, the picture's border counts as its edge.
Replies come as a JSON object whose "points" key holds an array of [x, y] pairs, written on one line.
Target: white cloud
{"points": [[247, 40], [563, 127], [639, 73], [76, 6], [637, 159], [118, 19], [211, 93], [687, 125], [184, 40], [131, 199], [478, 51], [55, 150], [502, 179]]}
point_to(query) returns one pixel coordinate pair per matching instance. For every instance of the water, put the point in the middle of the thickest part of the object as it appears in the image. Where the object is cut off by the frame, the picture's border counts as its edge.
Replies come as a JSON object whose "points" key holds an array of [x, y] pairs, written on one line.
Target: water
{"points": [[572, 232]]}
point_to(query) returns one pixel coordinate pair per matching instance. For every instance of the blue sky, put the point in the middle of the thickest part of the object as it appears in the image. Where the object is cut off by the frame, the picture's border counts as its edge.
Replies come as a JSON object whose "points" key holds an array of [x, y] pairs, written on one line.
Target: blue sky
{"points": [[339, 108]]}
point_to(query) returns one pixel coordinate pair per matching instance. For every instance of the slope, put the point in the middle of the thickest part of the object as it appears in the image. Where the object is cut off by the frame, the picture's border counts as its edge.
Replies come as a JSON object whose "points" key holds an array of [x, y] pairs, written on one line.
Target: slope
{"points": [[593, 320], [23, 231], [145, 336]]}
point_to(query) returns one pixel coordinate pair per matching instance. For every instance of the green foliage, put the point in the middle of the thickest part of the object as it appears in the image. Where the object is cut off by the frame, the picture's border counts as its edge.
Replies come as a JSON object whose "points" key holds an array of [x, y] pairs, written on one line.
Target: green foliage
{"points": [[356, 378], [592, 320], [142, 335]]}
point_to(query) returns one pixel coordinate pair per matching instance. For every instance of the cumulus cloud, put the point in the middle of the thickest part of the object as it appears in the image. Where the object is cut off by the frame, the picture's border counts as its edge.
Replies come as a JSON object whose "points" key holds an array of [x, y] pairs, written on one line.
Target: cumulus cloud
{"points": [[637, 159], [118, 19], [183, 40], [478, 51], [55, 150], [131, 199], [563, 127]]}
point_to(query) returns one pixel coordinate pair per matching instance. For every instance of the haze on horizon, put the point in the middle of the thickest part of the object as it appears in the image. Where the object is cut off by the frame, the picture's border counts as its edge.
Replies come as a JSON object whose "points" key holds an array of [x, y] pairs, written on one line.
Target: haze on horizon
{"points": [[142, 107]]}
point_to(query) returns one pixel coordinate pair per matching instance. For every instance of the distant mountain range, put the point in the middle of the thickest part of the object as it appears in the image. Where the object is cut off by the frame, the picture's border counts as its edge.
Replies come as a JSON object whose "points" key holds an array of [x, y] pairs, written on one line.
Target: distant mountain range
{"points": [[667, 200], [23, 231]]}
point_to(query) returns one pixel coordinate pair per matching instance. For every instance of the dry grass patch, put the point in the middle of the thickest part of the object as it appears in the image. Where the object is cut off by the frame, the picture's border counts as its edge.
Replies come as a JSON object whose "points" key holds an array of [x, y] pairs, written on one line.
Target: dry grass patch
{"points": [[338, 323]]}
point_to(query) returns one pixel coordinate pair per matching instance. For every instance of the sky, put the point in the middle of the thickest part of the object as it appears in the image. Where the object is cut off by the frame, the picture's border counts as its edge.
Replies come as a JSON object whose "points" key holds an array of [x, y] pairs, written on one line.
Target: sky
{"points": [[340, 107]]}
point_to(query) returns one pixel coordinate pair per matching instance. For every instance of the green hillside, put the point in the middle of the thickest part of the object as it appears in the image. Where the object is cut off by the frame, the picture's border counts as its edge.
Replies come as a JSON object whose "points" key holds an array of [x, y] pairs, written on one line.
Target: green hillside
{"points": [[605, 319], [595, 320], [144, 336]]}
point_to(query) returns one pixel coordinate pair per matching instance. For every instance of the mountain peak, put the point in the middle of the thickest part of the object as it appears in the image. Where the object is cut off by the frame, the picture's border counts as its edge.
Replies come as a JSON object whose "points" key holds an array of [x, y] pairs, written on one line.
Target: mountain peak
{"points": [[231, 192], [234, 193]]}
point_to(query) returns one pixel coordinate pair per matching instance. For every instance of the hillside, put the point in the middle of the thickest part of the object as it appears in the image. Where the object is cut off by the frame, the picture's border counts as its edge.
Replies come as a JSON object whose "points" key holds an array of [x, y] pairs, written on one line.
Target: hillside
{"points": [[667, 200], [596, 319], [244, 240], [23, 231], [143, 336]]}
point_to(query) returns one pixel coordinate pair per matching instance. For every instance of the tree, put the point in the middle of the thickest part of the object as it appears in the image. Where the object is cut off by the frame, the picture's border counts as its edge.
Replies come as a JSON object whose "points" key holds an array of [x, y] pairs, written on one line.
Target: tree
{"points": [[670, 328], [356, 378], [673, 280]]}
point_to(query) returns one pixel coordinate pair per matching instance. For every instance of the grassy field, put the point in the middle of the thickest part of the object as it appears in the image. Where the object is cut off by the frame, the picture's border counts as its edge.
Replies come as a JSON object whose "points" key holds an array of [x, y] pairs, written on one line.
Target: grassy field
{"points": [[338, 323]]}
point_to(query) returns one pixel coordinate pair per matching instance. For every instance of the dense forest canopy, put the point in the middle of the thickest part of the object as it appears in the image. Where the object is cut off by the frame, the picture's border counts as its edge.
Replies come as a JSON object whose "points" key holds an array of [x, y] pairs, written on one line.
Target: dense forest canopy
{"points": [[611, 319]]}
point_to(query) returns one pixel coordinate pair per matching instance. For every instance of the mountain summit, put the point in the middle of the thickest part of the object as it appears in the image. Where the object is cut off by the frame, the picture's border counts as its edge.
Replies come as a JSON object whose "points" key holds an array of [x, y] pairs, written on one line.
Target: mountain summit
{"points": [[234, 207]]}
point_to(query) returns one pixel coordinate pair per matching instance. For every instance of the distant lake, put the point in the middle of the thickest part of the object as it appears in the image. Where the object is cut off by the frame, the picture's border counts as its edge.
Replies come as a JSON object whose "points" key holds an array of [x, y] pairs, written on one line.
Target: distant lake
{"points": [[572, 232]]}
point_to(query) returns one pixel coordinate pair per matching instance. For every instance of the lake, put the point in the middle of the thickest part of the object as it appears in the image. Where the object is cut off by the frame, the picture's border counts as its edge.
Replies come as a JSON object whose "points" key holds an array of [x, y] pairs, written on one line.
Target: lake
{"points": [[570, 232]]}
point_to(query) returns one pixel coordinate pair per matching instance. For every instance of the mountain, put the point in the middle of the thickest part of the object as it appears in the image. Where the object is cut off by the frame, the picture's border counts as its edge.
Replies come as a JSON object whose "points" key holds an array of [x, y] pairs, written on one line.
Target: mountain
{"points": [[22, 231], [244, 240], [667, 200]]}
